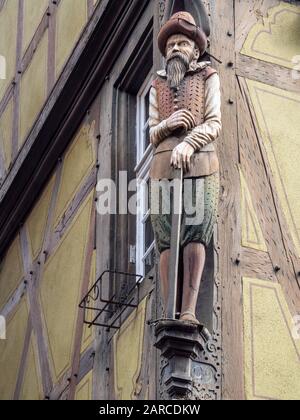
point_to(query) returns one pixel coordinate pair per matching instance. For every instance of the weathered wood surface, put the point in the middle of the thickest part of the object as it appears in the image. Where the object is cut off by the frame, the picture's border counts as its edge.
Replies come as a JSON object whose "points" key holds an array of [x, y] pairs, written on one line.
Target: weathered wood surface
{"points": [[103, 226], [36, 317], [256, 264], [261, 71], [229, 227], [22, 369]]}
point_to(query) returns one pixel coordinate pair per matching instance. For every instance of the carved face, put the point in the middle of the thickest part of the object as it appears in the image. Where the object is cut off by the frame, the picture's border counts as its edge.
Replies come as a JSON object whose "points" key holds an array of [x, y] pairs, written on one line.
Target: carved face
{"points": [[180, 52], [183, 45]]}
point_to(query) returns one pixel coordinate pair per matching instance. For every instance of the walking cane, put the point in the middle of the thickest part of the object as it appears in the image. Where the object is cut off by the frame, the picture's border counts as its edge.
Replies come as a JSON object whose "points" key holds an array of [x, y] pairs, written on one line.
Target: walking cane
{"points": [[175, 244]]}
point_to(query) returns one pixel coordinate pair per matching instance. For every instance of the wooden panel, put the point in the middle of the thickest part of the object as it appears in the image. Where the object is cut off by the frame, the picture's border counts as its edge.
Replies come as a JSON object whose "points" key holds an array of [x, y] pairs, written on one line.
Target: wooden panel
{"points": [[33, 89]]}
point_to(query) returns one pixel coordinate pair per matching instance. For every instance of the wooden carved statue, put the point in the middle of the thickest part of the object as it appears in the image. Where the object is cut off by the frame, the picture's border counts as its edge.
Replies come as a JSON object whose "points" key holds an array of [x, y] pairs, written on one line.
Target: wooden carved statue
{"points": [[185, 120]]}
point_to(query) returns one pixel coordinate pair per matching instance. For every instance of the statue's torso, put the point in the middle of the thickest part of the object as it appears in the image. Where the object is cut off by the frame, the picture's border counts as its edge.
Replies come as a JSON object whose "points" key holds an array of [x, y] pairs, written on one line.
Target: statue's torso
{"points": [[190, 95]]}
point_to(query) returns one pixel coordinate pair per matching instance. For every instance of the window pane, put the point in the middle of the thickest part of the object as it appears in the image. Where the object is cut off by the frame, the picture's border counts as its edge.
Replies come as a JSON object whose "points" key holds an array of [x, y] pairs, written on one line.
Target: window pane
{"points": [[148, 193], [147, 137], [147, 103], [149, 261], [149, 236]]}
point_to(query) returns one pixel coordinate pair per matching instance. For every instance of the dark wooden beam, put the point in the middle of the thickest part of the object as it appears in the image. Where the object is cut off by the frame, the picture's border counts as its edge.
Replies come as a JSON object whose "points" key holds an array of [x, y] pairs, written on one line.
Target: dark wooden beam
{"points": [[87, 69]]}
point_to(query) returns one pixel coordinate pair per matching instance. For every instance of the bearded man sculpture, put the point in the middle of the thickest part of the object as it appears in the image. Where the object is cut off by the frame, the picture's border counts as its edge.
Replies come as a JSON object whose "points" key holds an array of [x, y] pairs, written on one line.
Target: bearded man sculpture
{"points": [[185, 120]]}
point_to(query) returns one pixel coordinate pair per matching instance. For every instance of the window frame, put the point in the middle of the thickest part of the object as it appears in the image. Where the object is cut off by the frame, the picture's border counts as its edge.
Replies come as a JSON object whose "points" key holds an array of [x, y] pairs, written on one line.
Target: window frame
{"points": [[142, 170]]}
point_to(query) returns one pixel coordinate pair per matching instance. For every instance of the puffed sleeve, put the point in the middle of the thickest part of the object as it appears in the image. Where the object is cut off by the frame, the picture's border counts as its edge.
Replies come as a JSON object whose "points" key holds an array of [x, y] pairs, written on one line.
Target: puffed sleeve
{"points": [[210, 130], [158, 129]]}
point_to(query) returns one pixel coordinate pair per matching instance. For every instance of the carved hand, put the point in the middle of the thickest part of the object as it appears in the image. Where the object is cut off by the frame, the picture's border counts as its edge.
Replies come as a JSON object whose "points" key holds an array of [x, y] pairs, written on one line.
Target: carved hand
{"points": [[183, 119], [181, 156]]}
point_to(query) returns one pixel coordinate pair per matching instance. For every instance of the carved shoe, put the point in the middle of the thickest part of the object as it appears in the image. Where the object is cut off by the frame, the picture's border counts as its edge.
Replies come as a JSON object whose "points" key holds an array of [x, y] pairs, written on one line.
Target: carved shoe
{"points": [[189, 317]]}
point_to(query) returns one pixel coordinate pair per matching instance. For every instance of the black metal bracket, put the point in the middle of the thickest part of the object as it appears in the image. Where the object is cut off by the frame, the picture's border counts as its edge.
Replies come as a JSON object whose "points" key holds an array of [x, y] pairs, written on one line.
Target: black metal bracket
{"points": [[107, 311]]}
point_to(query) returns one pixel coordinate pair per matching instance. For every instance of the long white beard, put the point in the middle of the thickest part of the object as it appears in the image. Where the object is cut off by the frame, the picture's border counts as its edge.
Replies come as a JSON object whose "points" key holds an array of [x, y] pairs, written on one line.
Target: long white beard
{"points": [[176, 69]]}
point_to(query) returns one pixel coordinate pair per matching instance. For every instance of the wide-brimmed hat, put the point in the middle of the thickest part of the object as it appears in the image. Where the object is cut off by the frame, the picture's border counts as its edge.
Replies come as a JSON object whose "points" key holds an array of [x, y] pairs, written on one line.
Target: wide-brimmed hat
{"points": [[182, 23]]}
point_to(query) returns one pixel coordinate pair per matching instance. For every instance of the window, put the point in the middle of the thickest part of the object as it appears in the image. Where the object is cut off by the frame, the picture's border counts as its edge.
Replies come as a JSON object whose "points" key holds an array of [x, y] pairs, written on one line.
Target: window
{"points": [[144, 234], [131, 233]]}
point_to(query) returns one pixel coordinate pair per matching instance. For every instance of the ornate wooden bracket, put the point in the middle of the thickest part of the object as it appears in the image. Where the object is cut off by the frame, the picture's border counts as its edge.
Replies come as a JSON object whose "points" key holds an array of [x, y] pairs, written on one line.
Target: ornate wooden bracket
{"points": [[188, 370]]}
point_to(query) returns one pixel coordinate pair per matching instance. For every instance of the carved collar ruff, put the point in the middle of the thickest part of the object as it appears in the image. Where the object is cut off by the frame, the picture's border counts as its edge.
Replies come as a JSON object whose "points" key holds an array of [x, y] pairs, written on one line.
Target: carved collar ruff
{"points": [[194, 68]]}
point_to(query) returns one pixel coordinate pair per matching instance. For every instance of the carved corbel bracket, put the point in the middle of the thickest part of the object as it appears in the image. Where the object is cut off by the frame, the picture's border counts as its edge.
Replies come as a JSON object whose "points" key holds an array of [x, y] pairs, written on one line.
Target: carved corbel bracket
{"points": [[186, 371]]}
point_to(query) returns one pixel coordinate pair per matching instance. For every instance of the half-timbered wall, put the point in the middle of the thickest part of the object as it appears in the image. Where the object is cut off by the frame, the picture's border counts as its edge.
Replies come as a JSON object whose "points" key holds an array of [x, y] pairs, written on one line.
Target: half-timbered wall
{"points": [[258, 44], [63, 245], [44, 275], [36, 39]]}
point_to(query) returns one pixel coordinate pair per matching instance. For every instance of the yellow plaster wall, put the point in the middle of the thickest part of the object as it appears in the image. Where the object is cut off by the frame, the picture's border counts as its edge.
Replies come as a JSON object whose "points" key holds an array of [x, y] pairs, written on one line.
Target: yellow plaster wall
{"points": [[272, 355], [252, 236], [8, 41], [128, 352], [84, 388], [61, 289], [275, 38], [6, 122], [31, 387], [36, 222], [33, 13], [33, 89], [11, 271], [70, 21], [78, 163], [11, 350], [277, 112], [89, 333]]}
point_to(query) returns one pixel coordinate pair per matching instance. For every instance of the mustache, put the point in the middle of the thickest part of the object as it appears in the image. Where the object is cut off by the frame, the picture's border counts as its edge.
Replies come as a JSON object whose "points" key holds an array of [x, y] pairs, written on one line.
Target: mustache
{"points": [[181, 56]]}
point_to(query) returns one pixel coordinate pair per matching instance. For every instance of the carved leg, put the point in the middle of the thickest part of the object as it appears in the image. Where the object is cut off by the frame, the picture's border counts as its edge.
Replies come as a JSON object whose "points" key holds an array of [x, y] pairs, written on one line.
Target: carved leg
{"points": [[164, 273], [193, 262]]}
